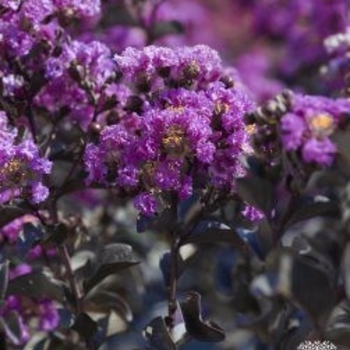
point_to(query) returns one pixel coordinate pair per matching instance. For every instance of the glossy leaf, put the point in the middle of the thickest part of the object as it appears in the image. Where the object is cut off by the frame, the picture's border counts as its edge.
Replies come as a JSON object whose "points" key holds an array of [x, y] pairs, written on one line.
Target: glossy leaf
{"points": [[316, 209], [4, 276], [338, 330], [158, 335], [58, 234], [257, 192], [217, 232], [112, 259], [36, 285], [9, 213], [12, 326], [85, 326], [196, 328]]}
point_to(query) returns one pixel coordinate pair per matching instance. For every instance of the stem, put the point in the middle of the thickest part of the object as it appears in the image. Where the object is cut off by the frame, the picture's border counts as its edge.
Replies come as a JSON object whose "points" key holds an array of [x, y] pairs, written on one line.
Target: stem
{"points": [[172, 288], [71, 277], [278, 232], [64, 254]]}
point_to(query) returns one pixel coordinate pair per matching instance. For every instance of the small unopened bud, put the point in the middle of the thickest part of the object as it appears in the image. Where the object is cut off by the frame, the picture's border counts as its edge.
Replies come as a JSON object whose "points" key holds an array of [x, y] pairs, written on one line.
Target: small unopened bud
{"points": [[94, 131], [134, 104], [227, 81]]}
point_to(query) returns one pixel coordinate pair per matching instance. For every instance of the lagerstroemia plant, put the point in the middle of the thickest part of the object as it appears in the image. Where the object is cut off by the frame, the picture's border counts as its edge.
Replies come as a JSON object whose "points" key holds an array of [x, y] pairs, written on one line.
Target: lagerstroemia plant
{"points": [[152, 196]]}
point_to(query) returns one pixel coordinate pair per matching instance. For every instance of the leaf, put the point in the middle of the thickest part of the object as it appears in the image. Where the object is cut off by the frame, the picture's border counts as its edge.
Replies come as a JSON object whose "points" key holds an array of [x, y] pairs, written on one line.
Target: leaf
{"points": [[12, 326], [196, 328], [315, 209], [9, 213], [85, 326], [29, 237], [49, 343], [36, 285], [144, 223], [106, 301], [66, 318], [342, 160], [257, 192], [4, 277], [217, 232], [307, 282], [115, 324], [112, 259], [58, 234], [338, 329], [158, 336]]}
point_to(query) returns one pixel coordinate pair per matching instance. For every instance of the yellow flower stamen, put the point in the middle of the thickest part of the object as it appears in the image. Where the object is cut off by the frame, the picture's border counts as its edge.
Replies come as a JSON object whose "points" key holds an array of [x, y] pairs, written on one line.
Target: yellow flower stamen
{"points": [[174, 141], [321, 125], [250, 129]]}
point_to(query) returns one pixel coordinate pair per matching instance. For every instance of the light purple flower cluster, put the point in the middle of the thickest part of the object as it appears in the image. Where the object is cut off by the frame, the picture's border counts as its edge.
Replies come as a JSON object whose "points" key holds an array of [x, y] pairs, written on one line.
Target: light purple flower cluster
{"points": [[308, 125], [24, 24], [78, 80], [21, 166], [301, 26], [183, 130], [43, 311]]}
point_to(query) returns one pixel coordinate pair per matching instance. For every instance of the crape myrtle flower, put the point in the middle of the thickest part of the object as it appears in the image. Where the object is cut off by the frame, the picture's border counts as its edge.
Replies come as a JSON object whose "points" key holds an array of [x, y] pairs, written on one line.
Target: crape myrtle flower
{"points": [[79, 8], [21, 166], [301, 26], [24, 24], [309, 124], [302, 124], [183, 128], [34, 314], [78, 78], [338, 65]]}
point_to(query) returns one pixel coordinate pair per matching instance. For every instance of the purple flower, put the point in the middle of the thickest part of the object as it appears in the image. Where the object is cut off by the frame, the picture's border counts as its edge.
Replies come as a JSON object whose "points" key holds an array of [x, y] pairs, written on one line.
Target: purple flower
{"points": [[308, 125], [22, 167], [146, 203], [48, 315], [81, 9], [187, 126], [292, 127], [319, 151], [252, 214]]}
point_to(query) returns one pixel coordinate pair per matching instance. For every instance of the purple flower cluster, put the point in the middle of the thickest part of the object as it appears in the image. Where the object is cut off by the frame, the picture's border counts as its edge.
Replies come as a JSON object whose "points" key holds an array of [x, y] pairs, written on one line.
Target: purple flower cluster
{"points": [[308, 125], [21, 166], [24, 24], [183, 131], [78, 79], [301, 26]]}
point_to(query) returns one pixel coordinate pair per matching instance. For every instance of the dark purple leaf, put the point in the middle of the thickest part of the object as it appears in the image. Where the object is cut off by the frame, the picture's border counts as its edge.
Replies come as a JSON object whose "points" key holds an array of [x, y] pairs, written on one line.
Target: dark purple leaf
{"points": [[217, 232], [257, 192], [158, 335], [4, 276], [85, 326], [112, 259], [196, 328], [9, 213], [310, 211], [12, 326], [36, 285]]}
